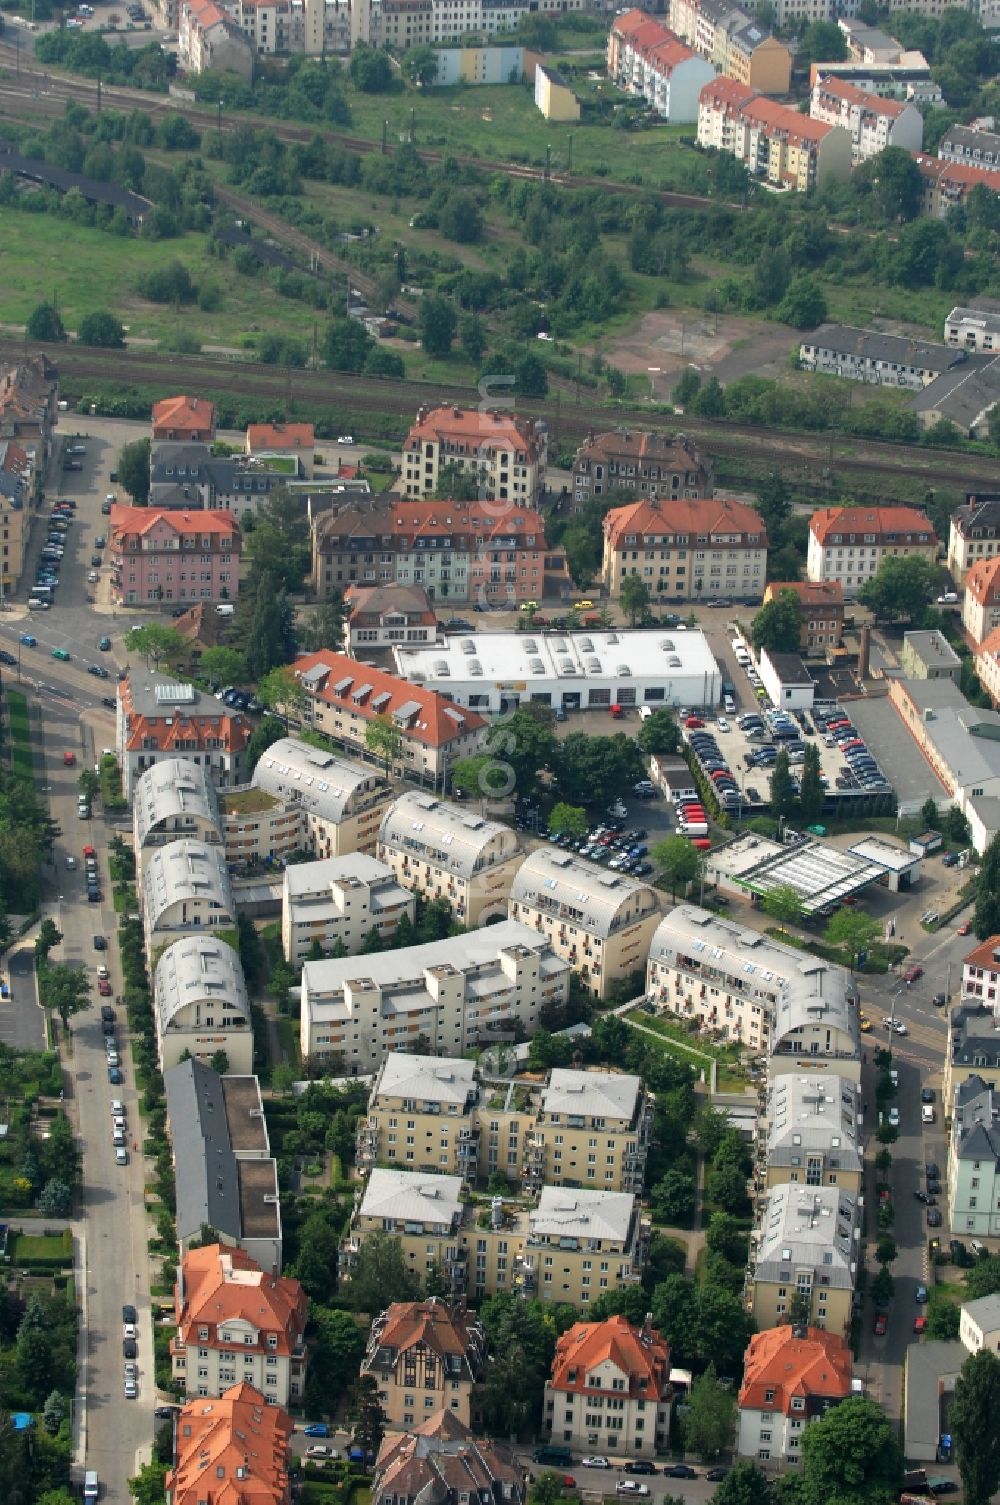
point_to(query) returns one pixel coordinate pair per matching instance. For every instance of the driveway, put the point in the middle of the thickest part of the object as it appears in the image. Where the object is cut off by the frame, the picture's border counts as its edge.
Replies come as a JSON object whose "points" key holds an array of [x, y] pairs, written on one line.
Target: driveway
{"points": [[22, 1023]]}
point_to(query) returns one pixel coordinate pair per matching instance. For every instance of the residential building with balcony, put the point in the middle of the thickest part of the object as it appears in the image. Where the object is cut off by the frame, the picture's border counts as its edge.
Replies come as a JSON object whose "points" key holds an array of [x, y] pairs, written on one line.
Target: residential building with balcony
{"points": [[160, 719], [646, 59], [974, 1158], [687, 550], [225, 1175], [337, 903], [981, 604], [231, 1448], [973, 1044], [791, 1377], [974, 534], [344, 697], [598, 921], [286, 442], [450, 852], [646, 464], [610, 1389], [29, 411], [973, 328], [593, 1129], [201, 1006], [304, 799], [822, 604], [849, 544], [171, 800], [423, 1213], [772, 140], [580, 1243], [734, 42], [773, 999], [445, 997], [872, 121], [968, 146], [425, 1356], [805, 1249], [379, 616], [16, 491], [505, 452], [423, 1114], [812, 1135], [187, 420], [424, 1462], [238, 1324], [185, 890], [157, 554]]}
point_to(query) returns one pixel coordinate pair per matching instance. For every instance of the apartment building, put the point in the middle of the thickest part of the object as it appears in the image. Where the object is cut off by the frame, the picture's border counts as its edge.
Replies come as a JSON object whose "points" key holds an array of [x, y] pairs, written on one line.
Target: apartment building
{"points": [[29, 411], [971, 147], [812, 1135], [160, 555], [209, 40], [378, 616], [445, 997], [554, 96], [293, 443], [185, 888], [16, 489], [591, 1128], [735, 42], [974, 533], [569, 1248], [237, 1324], [774, 141], [160, 720], [425, 1356], [981, 604], [234, 1447], [805, 1249], [423, 1462], [849, 544], [224, 1172], [187, 420], [598, 921], [400, 24], [687, 550], [201, 1005], [973, 328], [822, 604], [981, 973], [446, 851], [987, 662], [506, 453], [423, 1112], [173, 799], [610, 1389], [185, 476], [337, 903], [973, 1041], [304, 799], [881, 359], [948, 184], [344, 697], [979, 1324], [872, 121], [736, 981], [791, 1377], [974, 1158], [646, 59], [656, 466]]}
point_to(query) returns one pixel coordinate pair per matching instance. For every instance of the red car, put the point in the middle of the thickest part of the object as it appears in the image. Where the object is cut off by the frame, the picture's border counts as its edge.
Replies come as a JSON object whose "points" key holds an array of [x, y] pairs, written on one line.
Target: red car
{"points": [[919, 1324], [701, 842], [89, 852], [912, 973], [693, 723], [965, 928], [881, 1324], [104, 988]]}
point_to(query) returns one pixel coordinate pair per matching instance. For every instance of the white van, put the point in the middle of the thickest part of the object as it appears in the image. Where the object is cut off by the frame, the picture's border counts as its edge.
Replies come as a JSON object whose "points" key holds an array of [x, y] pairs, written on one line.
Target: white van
{"points": [[644, 713], [91, 1483], [927, 1114], [225, 610], [35, 603]]}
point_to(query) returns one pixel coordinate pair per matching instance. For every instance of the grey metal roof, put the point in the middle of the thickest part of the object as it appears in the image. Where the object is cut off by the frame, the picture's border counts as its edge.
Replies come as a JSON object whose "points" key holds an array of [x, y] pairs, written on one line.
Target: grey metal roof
{"points": [[931, 1370], [932, 648], [808, 1227], [986, 142], [449, 836], [428, 1079], [986, 318], [92, 189], [565, 1212], [818, 1113], [964, 395], [550, 878], [205, 1166], [182, 871], [175, 788], [412, 1197], [984, 1311], [604, 1094], [872, 345], [200, 969], [329, 786]]}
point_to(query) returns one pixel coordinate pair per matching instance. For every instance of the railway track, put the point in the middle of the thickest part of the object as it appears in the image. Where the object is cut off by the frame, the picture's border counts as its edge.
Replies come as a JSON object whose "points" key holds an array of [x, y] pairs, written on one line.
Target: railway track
{"points": [[398, 400]]}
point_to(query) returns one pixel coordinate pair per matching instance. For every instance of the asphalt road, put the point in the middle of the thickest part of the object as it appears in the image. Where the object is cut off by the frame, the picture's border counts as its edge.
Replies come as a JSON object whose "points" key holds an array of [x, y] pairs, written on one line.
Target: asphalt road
{"points": [[21, 1020]]}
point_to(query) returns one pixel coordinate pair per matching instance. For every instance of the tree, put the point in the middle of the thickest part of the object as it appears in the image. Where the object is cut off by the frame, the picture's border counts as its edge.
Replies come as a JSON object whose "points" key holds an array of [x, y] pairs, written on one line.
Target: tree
{"points": [[726, 1236], [821, 42], [895, 182], [48, 938], [744, 1484], [155, 642], [54, 1411], [146, 1487], [324, 627], [783, 903], [673, 1197], [379, 1276], [55, 1199], [89, 785], [943, 1319], [853, 930], [420, 65], [370, 70], [679, 861], [983, 1279], [902, 586], [263, 736], [336, 1348], [634, 597], [222, 666], [851, 1456], [659, 734], [726, 1185], [711, 1416], [278, 546], [975, 1426], [346, 345], [804, 304], [571, 819], [65, 989], [102, 329], [384, 739], [520, 1339], [782, 790], [522, 744], [268, 629], [986, 920], [778, 625], [282, 691], [45, 323], [438, 323], [471, 333]]}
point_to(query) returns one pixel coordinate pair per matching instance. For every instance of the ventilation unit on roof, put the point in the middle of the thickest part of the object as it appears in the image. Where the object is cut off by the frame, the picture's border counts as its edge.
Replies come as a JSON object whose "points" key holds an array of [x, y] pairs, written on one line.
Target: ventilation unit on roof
{"points": [[594, 664], [441, 666], [444, 671], [475, 669], [529, 645], [623, 670], [585, 645], [612, 638], [667, 645], [558, 645], [536, 666], [468, 647]]}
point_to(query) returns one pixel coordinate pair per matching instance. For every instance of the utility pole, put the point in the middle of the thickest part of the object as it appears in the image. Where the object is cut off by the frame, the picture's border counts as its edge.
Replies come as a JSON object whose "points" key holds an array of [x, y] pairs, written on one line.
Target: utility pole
{"points": [[569, 153], [385, 137], [98, 94], [413, 116]]}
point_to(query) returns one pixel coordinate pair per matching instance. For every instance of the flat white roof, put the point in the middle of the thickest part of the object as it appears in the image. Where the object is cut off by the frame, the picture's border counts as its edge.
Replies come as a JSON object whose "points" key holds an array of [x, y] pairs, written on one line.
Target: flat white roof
{"points": [[427, 1078], [819, 873], [598, 656], [887, 854]]}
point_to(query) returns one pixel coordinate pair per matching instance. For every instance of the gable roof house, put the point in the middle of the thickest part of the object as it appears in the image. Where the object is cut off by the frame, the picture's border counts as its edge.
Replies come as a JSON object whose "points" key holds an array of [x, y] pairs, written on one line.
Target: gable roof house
{"points": [[187, 419]]}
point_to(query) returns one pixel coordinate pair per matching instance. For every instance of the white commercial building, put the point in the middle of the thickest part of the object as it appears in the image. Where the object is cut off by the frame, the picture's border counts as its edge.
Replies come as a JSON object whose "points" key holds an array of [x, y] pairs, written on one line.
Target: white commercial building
{"points": [[973, 328], [200, 1005], [445, 851], [443, 998], [184, 888], [600, 922], [339, 900], [736, 981], [172, 799], [979, 1324], [497, 671], [787, 680]]}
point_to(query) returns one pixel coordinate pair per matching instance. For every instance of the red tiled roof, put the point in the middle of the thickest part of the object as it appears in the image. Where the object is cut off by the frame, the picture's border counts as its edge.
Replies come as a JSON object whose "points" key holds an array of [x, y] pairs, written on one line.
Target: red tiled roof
{"points": [[226, 730], [126, 521], [231, 1450], [648, 35], [877, 520], [375, 601], [184, 413], [641, 1354], [488, 427], [809, 592], [442, 1331], [726, 91], [956, 172], [670, 52], [630, 22], [435, 723], [710, 515], [782, 118], [270, 436], [817, 1365], [842, 88], [224, 1285], [983, 582], [982, 955]]}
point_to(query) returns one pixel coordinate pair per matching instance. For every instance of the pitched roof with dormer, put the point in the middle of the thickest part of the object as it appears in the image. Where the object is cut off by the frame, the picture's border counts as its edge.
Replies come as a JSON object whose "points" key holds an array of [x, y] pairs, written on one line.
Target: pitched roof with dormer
{"points": [[982, 582], [452, 1333], [138, 522], [717, 518], [231, 1450], [642, 1355], [217, 1286], [440, 1461], [296, 437], [872, 104], [784, 1364], [882, 522], [422, 715], [461, 430]]}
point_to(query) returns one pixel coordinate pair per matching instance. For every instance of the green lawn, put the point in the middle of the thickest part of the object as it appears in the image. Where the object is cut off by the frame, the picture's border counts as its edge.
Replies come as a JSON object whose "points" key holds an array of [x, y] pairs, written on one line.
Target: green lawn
{"points": [[288, 1039], [21, 754], [29, 1246]]}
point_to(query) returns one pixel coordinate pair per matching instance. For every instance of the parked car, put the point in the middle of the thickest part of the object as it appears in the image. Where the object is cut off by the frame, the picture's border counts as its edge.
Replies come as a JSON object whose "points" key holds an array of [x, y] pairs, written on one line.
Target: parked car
{"points": [[881, 1324]]}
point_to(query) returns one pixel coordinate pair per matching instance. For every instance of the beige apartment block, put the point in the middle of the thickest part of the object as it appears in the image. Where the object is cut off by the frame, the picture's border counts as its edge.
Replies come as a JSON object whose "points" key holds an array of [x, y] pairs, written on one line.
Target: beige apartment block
{"points": [[200, 1005], [425, 1356], [445, 851], [806, 1245], [973, 535], [812, 1135], [507, 453], [326, 804], [173, 799], [184, 890], [592, 1129], [338, 902], [598, 921]]}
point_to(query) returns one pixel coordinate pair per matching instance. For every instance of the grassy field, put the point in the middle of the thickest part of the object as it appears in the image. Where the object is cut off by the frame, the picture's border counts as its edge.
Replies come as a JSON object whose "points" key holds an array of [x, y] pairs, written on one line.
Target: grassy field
{"points": [[693, 1050], [288, 1039], [21, 755], [28, 1246]]}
